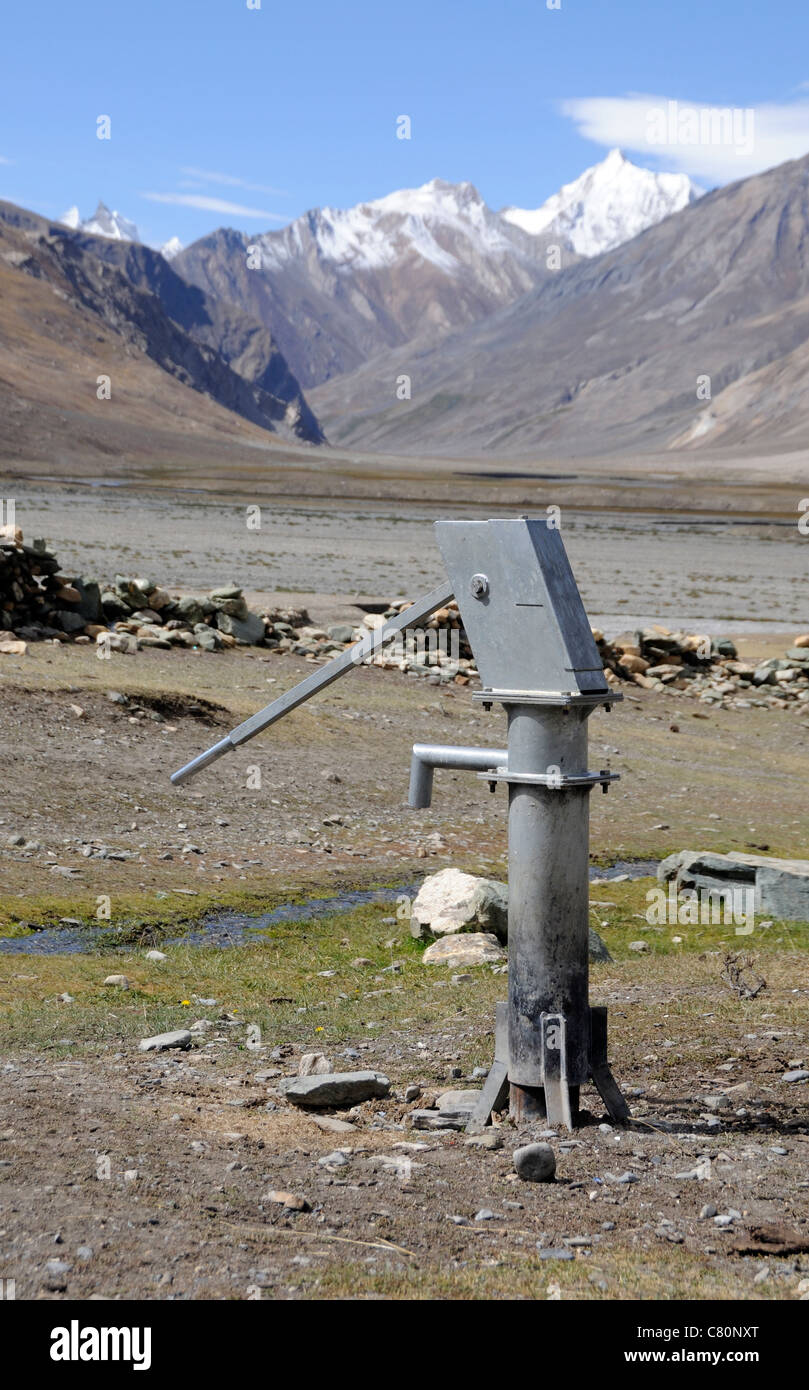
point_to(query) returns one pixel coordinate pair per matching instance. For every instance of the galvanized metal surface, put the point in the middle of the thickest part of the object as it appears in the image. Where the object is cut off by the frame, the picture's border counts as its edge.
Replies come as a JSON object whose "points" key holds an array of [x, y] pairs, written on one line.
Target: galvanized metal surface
{"points": [[428, 756], [527, 625], [348, 660], [548, 909]]}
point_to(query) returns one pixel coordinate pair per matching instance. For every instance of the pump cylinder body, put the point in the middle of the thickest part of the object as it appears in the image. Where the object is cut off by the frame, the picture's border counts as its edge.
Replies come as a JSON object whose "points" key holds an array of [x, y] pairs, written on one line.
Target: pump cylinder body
{"points": [[548, 922]]}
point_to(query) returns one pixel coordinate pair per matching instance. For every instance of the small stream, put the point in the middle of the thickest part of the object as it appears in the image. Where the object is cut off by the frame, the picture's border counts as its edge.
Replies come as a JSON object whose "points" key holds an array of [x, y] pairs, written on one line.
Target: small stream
{"points": [[223, 929]]}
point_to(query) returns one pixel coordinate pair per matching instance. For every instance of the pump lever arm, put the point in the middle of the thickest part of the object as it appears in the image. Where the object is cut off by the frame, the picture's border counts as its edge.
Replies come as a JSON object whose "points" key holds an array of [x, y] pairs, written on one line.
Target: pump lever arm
{"points": [[346, 661]]}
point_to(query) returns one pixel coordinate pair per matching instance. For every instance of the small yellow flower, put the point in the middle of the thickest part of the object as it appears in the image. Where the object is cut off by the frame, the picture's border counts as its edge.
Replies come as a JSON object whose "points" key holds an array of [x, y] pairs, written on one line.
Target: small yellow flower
{"points": [[185, 1003], [318, 1030]]}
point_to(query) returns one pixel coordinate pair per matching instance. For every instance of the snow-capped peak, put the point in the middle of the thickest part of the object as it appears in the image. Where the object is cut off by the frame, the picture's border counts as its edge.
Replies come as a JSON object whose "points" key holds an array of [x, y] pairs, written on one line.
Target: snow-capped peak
{"points": [[102, 223], [171, 248], [439, 222], [607, 205]]}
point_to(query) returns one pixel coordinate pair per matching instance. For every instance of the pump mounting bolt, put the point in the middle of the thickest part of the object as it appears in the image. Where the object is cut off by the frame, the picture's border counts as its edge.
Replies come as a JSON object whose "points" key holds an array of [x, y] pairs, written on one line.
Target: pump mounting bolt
{"points": [[479, 585]]}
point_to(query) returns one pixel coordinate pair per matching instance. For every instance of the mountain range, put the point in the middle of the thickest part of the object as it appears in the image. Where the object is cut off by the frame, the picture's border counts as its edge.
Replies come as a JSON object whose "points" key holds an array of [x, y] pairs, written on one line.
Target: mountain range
{"points": [[76, 308], [695, 332], [629, 312]]}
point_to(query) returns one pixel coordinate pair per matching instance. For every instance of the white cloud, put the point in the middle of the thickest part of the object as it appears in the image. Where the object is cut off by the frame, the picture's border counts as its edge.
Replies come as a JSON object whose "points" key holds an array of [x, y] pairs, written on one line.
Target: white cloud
{"points": [[206, 204], [706, 139], [231, 182], [3, 160]]}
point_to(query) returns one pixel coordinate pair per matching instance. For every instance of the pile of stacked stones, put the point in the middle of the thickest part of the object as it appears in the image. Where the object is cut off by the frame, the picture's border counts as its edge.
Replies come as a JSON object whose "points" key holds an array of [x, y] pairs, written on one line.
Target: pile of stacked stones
{"points": [[38, 603], [707, 669]]}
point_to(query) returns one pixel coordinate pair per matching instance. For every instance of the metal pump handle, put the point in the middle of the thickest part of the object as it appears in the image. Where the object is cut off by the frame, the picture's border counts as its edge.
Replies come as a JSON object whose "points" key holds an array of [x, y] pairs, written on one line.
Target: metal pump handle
{"points": [[305, 689]]}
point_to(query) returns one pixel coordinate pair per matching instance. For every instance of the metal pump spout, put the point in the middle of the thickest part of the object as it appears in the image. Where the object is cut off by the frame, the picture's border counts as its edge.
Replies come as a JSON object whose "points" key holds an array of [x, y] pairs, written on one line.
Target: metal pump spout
{"points": [[428, 756]]}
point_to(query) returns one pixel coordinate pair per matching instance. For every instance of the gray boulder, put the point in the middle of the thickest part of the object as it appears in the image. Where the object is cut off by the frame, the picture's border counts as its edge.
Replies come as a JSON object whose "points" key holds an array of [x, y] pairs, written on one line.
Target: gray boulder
{"points": [[781, 885], [535, 1163], [249, 631], [191, 610], [338, 1088], [599, 954]]}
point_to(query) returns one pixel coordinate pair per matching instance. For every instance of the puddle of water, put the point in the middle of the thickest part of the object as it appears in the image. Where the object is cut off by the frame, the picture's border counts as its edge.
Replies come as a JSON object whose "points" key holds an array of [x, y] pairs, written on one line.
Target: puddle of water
{"points": [[224, 929]]}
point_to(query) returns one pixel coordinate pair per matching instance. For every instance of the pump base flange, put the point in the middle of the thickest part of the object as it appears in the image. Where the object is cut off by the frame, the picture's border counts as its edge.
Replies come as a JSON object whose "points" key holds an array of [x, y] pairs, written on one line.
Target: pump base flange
{"points": [[555, 1101]]}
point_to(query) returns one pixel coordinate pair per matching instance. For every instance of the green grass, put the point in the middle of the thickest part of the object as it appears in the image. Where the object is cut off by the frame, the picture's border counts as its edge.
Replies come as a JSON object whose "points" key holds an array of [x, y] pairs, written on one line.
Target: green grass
{"points": [[274, 982]]}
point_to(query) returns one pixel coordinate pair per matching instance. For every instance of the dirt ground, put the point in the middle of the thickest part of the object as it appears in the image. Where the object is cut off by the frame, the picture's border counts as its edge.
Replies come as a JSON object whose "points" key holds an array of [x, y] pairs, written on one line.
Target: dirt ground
{"points": [[149, 1176], [322, 796], [207, 1132]]}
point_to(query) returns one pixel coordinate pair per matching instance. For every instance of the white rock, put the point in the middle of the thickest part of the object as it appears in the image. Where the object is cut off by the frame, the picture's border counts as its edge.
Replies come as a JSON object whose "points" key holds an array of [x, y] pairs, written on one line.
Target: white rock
{"points": [[120, 980], [155, 955], [470, 948], [451, 901]]}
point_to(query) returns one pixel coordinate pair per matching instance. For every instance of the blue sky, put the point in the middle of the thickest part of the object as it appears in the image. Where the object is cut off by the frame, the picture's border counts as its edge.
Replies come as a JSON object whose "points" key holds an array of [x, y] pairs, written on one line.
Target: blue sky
{"points": [[278, 109]]}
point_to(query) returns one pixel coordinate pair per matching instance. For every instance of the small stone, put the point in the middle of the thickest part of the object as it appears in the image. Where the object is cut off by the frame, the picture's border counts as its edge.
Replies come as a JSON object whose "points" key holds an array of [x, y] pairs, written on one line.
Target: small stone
{"points": [[458, 1102], [535, 1163], [331, 1125], [161, 1042], [484, 1214], [718, 1102], [84, 1252], [433, 1119], [156, 955], [336, 1159], [314, 1064], [120, 981], [490, 1139], [290, 1200], [640, 947], [798, 1075], [464, 949], [556, 1253], [56, 1272], [412, 1092]]}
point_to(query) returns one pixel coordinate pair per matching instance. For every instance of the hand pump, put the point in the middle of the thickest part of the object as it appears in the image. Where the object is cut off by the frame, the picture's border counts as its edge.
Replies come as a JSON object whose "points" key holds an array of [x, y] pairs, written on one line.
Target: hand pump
{"points": [[535, 652]]}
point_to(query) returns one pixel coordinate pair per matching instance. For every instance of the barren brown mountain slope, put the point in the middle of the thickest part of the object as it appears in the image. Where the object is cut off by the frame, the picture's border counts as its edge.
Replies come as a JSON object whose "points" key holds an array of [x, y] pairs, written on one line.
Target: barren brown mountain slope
{"points": [[67, 319]]}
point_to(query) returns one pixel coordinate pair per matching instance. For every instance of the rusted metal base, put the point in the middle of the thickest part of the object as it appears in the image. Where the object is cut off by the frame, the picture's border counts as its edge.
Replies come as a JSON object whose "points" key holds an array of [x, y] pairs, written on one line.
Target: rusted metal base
{"points": [[555, 1103]]}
